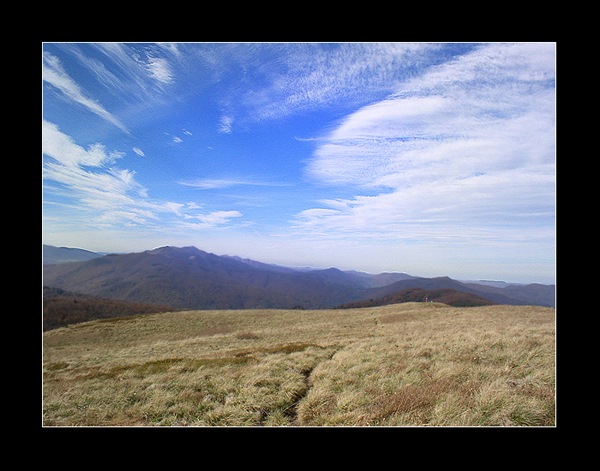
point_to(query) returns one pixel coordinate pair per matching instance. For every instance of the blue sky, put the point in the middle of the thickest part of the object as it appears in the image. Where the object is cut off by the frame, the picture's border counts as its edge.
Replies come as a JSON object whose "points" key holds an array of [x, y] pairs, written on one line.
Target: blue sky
{"points": [[432, 159]]}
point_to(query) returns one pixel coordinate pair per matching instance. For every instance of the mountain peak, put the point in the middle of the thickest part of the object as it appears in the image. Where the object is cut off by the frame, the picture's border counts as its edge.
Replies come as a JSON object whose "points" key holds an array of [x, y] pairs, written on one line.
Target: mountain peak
{"points": [[174, 251], [187, 277]]}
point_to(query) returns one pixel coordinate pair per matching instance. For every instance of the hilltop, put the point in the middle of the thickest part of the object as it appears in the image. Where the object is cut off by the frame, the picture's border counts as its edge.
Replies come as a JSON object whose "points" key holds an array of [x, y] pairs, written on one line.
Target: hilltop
{"points": [[451, 297], [400, 365], [189, 278]]}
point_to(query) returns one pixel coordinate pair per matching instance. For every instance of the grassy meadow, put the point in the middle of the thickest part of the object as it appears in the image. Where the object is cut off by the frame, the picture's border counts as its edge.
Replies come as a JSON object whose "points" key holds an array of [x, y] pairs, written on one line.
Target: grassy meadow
{"points": [[411, 364]]}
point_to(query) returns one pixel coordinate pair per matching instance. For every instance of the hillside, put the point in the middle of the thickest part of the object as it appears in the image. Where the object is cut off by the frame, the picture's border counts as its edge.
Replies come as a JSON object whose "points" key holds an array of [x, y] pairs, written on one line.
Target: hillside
{"points": [[52, 255], [406, 364], [189, 278], [447, 296], [61, 308], [535, 294], [513, 295]]}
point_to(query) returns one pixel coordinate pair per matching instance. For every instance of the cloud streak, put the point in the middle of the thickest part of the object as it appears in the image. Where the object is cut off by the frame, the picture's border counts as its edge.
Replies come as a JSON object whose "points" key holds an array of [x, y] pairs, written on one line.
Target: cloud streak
{"points": [[54, 74], [139, 151], [106, 196], [303, 77], [362, 71], [89, 175], [143, 69], [462, 152], [215, 218], [217, 184]]}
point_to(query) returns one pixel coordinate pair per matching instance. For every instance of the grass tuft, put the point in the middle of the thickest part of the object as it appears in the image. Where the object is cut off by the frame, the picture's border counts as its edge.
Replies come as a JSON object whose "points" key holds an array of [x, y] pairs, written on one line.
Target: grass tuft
{"points": [[399, 365]]}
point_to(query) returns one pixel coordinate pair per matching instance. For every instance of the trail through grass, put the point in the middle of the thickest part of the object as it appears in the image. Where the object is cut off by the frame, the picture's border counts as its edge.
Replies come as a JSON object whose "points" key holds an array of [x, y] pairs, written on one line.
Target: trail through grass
{"points": [[399, 365]]}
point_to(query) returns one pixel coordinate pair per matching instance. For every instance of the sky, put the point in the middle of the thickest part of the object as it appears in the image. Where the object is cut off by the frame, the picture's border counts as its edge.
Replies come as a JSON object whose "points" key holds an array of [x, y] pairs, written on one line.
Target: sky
{"points": [[434, 159]]}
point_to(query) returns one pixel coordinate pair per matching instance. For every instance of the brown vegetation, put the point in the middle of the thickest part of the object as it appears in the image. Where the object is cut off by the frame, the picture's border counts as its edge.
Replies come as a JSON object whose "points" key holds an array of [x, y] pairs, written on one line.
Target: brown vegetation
{"points": [[397, 365], [61, 308], [448, 296]]}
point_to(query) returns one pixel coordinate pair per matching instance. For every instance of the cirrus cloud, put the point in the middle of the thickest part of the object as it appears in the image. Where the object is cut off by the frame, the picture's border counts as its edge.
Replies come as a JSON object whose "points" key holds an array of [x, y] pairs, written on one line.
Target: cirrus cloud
{"points": [[139, 151], [54, 74], [218, 217], [465, 151], [104, 195]]}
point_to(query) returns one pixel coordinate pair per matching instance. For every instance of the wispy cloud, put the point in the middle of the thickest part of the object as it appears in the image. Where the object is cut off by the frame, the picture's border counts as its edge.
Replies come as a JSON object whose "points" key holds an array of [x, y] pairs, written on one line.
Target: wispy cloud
{"points": [[225, 124], [159, 69], [304, 79], [280, 80], [89, 176], [216, 218], [134, 76], [54, 74], [465, 150], [143, 67], [139, 151], [216, 184], [103, 195]]}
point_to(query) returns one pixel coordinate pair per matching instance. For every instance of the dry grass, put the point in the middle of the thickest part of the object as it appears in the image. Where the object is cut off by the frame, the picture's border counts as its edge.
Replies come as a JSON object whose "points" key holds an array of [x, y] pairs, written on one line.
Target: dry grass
{"points": [[399, 365]]}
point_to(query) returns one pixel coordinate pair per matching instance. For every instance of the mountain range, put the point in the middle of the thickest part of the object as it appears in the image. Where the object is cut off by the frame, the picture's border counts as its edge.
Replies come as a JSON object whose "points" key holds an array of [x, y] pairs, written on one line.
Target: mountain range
{"points": [[189, 278], [52, 255]]}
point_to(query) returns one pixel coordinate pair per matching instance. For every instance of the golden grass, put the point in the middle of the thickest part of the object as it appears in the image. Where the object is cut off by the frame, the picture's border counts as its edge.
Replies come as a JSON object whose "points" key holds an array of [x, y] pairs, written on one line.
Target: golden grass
{"points": [[400, 365]]}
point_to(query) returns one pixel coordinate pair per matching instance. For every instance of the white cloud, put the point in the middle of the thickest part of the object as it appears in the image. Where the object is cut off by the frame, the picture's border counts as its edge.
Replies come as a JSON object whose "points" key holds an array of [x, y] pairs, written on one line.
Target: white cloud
{"points": [[392, 118], [464, 151], [88, 174], [145, 65], [474, 204], [97, 194], [139, 152], [220, 183], [299, 77], [63, 149], [225, 124], [211, 184], [306, 79], [160, 70], [54, 74], [96, 188], [177, 139], [174, 207], [219, 217], [213, 219]]}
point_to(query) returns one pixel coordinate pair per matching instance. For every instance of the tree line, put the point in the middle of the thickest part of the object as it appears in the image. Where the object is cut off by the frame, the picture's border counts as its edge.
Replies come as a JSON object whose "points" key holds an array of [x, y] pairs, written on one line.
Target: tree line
{"points": [[61, 308]]}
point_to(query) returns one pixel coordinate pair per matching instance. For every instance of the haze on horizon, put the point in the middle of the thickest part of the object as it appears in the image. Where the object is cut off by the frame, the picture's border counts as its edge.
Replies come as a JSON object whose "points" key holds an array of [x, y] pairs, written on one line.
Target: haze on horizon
{"points": [[425, 158]]}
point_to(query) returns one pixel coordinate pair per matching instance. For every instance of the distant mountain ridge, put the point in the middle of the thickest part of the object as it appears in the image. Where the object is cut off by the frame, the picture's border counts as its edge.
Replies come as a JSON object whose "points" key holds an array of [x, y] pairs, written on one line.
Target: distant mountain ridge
{"points": [[52, 255], [189, 278], [448, 296]]}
